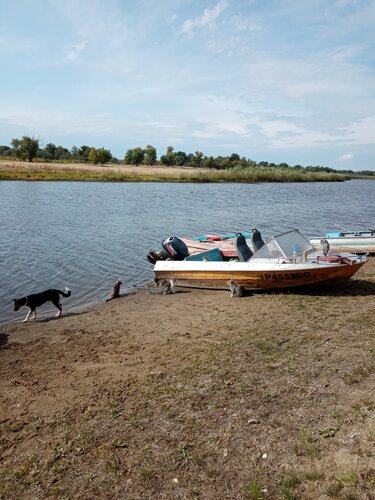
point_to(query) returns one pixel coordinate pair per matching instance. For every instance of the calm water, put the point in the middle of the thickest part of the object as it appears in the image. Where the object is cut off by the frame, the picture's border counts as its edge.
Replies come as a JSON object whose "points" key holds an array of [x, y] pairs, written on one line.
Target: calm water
{"points": [[87, 235]]}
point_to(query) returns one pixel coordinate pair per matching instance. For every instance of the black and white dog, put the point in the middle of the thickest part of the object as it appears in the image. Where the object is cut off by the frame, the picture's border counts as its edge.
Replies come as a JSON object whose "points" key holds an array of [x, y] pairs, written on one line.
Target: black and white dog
{"points": [[38, 299]]}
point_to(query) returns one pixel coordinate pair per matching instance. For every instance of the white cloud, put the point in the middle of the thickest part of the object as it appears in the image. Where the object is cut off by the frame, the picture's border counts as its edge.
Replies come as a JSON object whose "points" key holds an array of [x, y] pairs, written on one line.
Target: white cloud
{"points": [[221, 129], [306, 139], [208, 18], [362, 131], [171, 19], [345, 157], [244, 23], [273, 128], [73, 52]]}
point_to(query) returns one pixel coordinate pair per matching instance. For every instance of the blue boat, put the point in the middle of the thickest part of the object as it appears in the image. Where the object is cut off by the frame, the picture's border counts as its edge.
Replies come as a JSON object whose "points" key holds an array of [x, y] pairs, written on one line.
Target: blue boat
{"points": [[348, 241]]}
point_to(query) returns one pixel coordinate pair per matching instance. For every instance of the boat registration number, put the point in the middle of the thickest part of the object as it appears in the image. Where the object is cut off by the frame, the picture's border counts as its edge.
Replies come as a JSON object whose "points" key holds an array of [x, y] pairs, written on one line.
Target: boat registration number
{"points": [[285, 276]]}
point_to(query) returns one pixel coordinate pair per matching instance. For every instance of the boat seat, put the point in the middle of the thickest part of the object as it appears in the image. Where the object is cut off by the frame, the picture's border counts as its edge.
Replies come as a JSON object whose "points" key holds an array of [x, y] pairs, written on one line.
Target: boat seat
{"points": [[243, 250], [210, 255], [256, 239]]}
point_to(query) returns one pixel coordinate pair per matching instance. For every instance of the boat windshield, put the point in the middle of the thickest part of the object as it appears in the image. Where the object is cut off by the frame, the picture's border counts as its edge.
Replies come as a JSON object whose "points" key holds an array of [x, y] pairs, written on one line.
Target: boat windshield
{"points": [[284, 246]]}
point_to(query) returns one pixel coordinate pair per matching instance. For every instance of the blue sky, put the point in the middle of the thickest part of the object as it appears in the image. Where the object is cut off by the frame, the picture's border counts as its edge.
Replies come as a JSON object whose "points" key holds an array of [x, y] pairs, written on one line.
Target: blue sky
{"points": [[283, 81]]}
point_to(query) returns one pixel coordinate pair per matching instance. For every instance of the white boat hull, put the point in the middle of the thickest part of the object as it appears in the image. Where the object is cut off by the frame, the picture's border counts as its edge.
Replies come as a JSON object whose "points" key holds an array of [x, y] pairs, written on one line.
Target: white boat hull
{"points": [[259, 275], [353, 244]]}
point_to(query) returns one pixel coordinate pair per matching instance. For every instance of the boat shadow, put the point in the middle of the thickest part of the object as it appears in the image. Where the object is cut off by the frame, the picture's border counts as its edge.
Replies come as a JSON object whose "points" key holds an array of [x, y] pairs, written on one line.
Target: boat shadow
{"points": [[354, 288]]}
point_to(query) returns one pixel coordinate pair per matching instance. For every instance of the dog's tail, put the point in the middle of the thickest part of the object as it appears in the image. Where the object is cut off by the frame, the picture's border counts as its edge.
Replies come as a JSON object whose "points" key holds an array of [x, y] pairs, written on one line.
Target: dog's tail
{"points": [[66, 292]]}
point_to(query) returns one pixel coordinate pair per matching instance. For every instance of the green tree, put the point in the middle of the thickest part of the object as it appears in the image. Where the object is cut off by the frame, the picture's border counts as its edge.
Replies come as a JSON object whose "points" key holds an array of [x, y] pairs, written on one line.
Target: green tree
{"points": [[74, 153], [223, 162], [168, 158], [138, 156], [5, 151], [128, 158], [180, 158], [62, 153], [84, 152], [93, 156], [249, 163], [197, 160], [234, 159], [134, 156], [209, 162], [49, 151], [103, 155], [100, 155], [150, 155], [25, 148]]}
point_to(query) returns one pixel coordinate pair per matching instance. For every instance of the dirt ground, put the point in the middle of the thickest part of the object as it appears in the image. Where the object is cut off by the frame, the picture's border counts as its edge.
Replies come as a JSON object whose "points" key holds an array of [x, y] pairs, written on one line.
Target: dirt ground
{"points": [[194, 395]]}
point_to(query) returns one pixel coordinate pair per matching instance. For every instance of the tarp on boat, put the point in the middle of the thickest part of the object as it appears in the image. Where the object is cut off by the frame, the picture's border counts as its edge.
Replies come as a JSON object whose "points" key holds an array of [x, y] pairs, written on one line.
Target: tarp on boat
{"points": [[284, 246]]}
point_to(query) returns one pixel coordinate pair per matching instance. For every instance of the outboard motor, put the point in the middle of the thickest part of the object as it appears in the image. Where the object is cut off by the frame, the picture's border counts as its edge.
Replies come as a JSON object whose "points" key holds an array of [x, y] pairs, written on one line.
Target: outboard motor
{"points": [[176, 248], [172, 248], [256, 239], [154, 255]]}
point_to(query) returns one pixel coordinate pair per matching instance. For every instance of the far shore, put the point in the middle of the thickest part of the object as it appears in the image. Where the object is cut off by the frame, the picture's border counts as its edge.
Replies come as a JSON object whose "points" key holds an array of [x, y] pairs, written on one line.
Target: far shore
{"points": [[38, 171], [193, 395]]}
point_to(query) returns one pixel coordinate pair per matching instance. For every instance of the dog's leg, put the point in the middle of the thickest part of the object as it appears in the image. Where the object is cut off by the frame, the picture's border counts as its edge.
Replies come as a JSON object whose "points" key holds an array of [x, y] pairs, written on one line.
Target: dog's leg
{"points": [[58, 305], [27, 316], [60, 310]]}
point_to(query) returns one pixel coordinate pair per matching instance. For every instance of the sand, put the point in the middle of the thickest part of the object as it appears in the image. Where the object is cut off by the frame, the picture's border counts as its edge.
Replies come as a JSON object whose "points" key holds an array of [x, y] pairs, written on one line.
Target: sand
{"points": [[194, 395]]}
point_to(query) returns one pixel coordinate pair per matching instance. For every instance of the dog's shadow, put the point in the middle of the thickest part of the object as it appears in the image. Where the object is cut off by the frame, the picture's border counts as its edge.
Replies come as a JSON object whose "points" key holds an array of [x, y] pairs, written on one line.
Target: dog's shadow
{"points": [[3, 339], [57, 318]]}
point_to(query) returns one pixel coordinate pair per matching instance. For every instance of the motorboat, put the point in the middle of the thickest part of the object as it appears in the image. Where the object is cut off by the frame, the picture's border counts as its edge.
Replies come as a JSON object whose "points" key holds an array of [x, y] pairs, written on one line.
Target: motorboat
{"points": [[287, 260], [349, 241]]}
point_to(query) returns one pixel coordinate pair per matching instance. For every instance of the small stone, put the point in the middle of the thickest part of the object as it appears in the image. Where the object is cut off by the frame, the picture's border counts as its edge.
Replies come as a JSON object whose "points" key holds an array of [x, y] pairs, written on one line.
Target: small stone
{"points": [[253, 421], [175, 480], [264, 455]]}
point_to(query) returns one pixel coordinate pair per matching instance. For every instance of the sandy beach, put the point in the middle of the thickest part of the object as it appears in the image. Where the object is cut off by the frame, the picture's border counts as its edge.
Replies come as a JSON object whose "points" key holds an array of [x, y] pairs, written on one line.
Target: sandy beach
{"points": [[194, 395]]}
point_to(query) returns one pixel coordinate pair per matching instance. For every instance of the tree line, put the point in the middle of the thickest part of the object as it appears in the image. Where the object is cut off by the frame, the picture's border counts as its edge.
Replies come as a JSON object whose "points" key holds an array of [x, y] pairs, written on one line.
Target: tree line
{"points": [[27, 149]]}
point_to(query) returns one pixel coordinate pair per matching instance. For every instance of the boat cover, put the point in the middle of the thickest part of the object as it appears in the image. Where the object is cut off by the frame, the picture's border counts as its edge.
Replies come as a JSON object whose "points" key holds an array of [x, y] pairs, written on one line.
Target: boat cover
{"points": [[334, 234]]}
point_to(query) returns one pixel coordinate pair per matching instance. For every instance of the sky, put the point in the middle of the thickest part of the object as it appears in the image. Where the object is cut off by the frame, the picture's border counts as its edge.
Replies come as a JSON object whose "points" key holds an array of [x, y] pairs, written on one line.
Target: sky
{"points": [[280, 81]]}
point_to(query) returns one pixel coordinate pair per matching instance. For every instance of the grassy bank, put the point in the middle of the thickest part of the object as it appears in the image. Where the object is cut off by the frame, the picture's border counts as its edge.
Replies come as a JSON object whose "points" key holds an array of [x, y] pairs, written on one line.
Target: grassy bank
{"points": [[30, 172]]}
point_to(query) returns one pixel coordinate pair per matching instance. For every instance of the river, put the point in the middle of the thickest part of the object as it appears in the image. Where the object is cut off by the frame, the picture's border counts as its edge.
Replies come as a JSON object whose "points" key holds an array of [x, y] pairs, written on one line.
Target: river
{"points": [[88, 235]]}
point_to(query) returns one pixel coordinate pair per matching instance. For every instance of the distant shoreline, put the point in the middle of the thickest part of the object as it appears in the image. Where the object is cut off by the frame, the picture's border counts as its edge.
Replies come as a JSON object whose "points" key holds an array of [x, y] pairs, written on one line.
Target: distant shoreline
{"points": [[80, 172]]}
